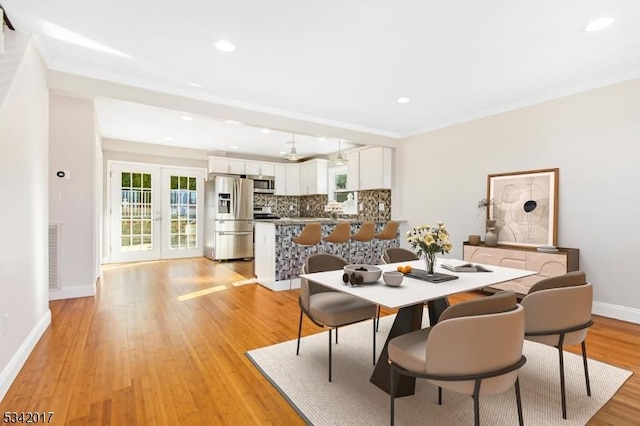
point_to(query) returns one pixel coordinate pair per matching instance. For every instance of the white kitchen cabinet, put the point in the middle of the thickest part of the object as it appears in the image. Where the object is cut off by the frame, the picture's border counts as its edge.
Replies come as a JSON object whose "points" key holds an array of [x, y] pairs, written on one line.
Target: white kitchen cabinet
{"points": [[353, 171], [292, 176], [280, 179], [313, 177], [375, 168], [236, 167], [226, 165], [256, 168]]}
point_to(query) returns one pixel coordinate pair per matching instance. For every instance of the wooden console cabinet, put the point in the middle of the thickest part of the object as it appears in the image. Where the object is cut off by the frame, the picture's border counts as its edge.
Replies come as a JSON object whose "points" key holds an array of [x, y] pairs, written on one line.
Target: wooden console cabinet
{"points": [[547, 264]]}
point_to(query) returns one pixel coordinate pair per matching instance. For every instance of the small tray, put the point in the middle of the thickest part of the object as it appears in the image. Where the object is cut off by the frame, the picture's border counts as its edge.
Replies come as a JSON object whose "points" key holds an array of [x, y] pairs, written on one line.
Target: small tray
{"points": [[421, 274]]}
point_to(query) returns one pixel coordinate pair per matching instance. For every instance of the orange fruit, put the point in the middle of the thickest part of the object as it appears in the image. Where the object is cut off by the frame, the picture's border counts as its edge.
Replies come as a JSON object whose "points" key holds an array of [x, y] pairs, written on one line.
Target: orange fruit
{"points": [[407, 269], [400, 268]]}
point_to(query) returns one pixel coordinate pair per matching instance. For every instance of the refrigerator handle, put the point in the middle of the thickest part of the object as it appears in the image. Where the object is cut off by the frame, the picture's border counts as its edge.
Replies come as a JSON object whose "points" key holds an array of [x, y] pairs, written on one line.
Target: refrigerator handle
{"points": [[235, 198]]}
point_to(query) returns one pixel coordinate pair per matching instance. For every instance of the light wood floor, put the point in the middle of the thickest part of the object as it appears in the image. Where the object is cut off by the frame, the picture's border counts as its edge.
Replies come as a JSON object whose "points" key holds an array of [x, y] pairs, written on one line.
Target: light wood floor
{"points": [[163, 343]]}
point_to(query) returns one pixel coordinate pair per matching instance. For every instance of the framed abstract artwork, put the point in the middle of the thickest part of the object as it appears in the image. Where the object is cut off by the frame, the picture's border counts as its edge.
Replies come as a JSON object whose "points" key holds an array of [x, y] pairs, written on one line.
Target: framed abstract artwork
{"points": [[524, 206]]}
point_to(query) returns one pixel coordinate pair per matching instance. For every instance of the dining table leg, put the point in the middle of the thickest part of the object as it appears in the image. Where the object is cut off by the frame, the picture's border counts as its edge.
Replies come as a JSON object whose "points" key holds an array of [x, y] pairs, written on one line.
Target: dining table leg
{"points": [[408, 318]]}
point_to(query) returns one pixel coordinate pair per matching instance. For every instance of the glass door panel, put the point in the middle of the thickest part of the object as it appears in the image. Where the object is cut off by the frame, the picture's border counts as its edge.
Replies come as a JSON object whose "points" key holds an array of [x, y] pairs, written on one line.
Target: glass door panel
{"points": [[134, 213], [185, 207]]}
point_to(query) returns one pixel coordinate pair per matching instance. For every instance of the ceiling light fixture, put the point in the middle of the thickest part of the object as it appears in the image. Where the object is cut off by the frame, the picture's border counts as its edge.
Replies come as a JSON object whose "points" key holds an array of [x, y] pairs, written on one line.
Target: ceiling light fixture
{"points": [[187, 118], [225, 46], [403, 100], [237, 123], [599, 24], [340, 160], [293, 154], [265, 131]]}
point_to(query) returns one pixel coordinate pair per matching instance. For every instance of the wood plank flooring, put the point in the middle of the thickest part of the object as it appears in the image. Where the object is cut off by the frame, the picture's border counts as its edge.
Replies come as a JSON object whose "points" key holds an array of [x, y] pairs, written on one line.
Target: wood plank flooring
{"points": [[163, 343]]}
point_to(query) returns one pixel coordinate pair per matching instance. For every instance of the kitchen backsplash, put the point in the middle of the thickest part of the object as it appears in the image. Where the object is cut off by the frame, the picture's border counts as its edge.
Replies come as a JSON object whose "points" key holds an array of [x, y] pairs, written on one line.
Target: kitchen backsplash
{"points": [[313, 205]]}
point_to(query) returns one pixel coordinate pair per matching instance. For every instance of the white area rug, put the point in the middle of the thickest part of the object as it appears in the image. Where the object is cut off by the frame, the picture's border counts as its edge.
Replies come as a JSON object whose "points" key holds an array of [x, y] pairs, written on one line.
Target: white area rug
{"points": [[350, 399]]}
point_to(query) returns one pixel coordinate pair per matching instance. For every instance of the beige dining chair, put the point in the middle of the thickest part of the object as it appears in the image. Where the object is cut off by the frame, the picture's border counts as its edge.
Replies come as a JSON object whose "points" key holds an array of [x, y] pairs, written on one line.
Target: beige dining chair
{"points": [[558, 313], [475, 349], [398, 254], [329, 308]]}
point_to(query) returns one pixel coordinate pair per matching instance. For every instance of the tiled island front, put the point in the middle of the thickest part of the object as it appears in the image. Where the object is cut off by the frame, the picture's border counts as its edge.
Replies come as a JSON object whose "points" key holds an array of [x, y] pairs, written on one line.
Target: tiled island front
{"points": [[278, 259]]}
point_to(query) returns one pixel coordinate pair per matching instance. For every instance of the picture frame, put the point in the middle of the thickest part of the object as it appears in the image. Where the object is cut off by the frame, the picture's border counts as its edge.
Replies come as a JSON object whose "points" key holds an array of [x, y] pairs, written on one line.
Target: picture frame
{"points": [[524, 206]]}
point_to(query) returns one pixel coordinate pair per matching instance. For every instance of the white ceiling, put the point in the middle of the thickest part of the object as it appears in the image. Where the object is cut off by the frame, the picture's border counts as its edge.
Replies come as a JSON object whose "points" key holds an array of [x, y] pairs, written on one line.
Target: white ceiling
{"points": [[339, 63]]}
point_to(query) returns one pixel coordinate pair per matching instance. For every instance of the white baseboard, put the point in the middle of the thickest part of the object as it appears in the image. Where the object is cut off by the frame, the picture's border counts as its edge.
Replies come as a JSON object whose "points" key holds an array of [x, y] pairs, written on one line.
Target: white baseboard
{"points": [[279, 285], [71, 292], [618, 312], [10, 372]]}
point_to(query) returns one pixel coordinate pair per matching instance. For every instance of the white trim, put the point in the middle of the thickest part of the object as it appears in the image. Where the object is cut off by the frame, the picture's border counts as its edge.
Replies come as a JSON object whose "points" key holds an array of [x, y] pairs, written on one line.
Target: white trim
{"points": [[10, 372], [72, 292], [618, 312], [279, 285]]}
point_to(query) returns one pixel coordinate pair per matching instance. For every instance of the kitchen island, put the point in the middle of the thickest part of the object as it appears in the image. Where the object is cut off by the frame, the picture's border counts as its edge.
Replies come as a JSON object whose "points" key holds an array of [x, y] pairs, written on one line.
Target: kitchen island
{"points": [[278, 259]]}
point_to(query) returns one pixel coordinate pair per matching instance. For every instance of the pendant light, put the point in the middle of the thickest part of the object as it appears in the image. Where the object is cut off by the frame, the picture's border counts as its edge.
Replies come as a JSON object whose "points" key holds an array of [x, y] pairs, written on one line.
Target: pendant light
{"points": [[340, 160], [293, 154]]}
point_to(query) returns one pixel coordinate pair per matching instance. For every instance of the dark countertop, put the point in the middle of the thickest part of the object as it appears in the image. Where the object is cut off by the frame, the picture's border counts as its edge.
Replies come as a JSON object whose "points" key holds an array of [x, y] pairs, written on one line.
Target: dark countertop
{"points": [[323, 220]]}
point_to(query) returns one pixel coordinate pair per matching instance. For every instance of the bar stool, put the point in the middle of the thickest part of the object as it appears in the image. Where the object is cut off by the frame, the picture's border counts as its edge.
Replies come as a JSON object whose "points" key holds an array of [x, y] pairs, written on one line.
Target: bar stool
{"points": [[389, 232], [310, 236], [340, 235], [364, 235]]}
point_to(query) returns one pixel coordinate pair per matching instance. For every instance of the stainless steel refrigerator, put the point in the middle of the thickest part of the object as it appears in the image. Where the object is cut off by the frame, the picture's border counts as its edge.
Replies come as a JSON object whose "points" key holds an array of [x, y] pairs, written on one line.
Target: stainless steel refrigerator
{"points": [[229, 218]]}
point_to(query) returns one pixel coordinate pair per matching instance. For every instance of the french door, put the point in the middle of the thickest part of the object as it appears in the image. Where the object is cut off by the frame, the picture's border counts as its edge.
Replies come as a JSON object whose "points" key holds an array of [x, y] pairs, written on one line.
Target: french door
{"points": [[156, 212]]}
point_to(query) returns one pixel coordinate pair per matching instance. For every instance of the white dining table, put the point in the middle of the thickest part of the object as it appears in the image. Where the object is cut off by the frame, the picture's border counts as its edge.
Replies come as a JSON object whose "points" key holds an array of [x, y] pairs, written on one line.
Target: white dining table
{"points": [[409, 299]]}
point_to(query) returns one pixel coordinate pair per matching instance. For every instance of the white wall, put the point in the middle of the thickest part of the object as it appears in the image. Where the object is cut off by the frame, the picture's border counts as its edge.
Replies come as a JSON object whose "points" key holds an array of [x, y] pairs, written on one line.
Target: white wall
{"points": [[73, 149], [592, 137], [24, 288]]}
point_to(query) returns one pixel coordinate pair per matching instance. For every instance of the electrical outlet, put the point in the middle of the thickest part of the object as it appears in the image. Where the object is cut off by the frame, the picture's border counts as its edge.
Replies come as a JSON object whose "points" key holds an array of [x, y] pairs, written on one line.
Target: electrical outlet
{"points": [[361, 207], [307, 207], [291, 208], [381, 207]]}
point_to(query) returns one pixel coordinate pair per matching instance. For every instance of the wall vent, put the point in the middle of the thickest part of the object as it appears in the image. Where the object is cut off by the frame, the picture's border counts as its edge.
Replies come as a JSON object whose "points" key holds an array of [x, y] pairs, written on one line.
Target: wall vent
{"points": [[54, 256]]}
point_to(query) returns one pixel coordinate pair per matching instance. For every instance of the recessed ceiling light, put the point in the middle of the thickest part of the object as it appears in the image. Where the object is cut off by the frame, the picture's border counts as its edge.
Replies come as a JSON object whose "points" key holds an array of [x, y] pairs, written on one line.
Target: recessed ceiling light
{"points": [[265, 131], [195, 85], [599, 24], [168, 138], [322, 139], [233, 147], [237, 123], [187, 118], [283, 152], [225, 46], [403, 100]]}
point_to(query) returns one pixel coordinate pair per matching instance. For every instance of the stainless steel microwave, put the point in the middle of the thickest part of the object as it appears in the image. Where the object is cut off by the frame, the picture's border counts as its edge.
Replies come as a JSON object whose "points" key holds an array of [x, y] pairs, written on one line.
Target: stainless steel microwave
{"points": [[263, 184]]}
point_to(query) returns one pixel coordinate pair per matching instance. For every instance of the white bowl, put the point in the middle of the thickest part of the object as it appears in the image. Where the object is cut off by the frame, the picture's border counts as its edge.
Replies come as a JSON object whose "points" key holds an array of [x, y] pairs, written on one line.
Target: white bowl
{"points": [[371, 275], [393, 278]]}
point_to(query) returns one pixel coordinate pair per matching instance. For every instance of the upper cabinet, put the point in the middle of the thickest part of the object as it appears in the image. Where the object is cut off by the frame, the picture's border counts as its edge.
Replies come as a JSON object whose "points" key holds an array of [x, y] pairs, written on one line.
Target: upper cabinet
{"points": [[292, 179], [256, 168], [280, 179], [353, 171], [226, 165], [313, 177], [369, 169]]}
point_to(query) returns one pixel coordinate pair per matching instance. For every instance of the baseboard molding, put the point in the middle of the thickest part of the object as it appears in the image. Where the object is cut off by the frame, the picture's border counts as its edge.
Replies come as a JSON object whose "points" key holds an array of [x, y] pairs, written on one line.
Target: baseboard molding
{"points": [[71, 292], [10, 372], [279, 285], [618, 312]]}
